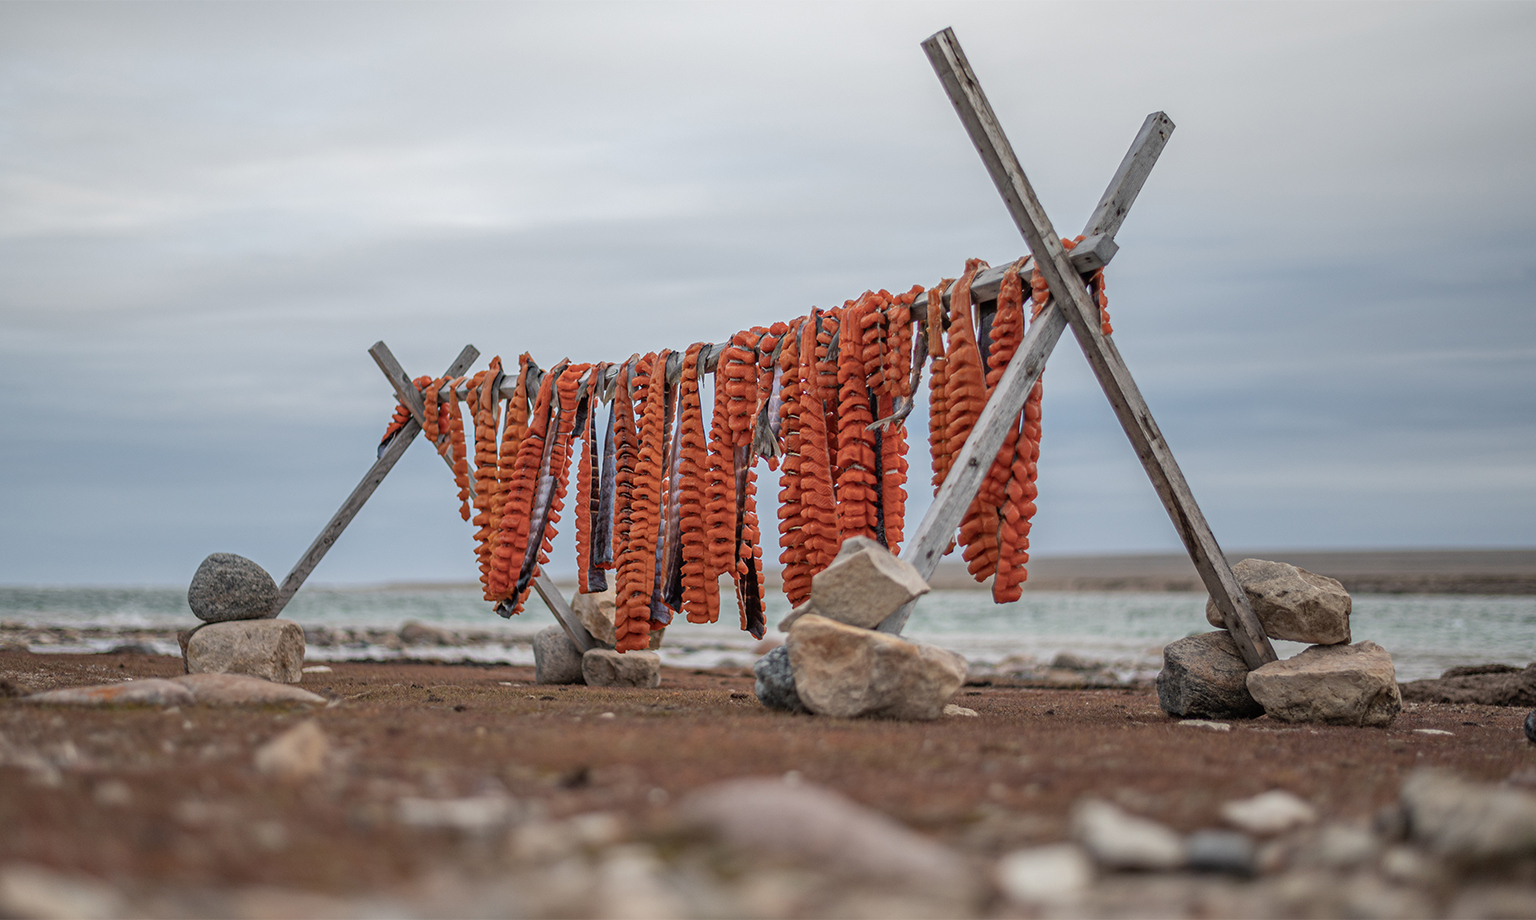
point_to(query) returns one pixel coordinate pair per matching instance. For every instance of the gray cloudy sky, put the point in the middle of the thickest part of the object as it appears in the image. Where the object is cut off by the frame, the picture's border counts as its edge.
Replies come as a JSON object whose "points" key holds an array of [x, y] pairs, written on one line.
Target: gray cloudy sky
{"points": [[209, 212]]}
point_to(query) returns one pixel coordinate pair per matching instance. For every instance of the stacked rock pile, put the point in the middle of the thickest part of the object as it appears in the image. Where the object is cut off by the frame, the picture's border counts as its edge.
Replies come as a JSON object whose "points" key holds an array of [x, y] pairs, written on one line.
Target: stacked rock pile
{"points": [[237, 601], [1331, 681], [836, 663], [558, 660]]}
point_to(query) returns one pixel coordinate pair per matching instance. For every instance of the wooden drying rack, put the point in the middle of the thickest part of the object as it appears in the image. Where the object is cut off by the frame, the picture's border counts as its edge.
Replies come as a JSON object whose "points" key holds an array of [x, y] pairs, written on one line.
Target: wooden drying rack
{"points": [[1070, 305]]}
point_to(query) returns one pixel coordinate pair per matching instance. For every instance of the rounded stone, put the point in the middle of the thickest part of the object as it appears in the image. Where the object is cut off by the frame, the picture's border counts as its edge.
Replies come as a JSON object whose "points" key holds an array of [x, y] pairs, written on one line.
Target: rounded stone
{"points": [[775, 686], [230, 587], [1205, 675], [1530, 726]]}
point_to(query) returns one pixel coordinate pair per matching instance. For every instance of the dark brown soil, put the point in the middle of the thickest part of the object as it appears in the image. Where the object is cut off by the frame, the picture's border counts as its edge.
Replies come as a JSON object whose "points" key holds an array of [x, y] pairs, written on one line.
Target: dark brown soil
{"points": [[443, 731]]}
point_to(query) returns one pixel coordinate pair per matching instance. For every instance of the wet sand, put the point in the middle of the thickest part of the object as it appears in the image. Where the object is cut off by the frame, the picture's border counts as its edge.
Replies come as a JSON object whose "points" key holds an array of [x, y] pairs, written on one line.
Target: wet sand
{"points": [[166, 806]]}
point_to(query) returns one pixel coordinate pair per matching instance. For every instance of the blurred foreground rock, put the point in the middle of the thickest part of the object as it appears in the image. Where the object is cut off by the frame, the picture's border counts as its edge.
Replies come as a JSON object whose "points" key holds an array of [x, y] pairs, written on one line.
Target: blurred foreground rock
{"points": [[230, 587], [556, 659], [1469, 821], [295, 755], [1119, 840], [1338, 684], [601, 667], [815, 826], [1205, 675], [1291, 603], [269, 649], [846, 671]]}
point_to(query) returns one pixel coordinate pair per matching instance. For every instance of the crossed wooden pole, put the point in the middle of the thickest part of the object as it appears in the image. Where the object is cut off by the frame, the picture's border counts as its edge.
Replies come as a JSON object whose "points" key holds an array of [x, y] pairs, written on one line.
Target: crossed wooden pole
{"points": [[1070, 304]]}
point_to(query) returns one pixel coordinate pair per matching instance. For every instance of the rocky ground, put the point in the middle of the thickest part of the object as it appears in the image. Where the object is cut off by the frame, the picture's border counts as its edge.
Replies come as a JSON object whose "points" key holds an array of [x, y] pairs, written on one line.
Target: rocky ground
{"points": [[438, 790]]}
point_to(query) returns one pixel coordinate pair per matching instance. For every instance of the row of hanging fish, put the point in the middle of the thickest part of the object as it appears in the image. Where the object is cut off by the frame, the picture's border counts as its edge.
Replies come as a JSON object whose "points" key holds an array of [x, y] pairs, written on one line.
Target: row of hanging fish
{"points": [[665, 506]]}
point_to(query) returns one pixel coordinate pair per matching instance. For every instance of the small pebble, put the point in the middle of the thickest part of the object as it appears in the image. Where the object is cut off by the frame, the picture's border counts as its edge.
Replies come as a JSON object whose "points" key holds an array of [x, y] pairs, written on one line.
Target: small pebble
{"points": [[1432, 731], [317, 669], [1220, 851], [1530, 726], [607, 715], [1206, 723], [953, 710]]}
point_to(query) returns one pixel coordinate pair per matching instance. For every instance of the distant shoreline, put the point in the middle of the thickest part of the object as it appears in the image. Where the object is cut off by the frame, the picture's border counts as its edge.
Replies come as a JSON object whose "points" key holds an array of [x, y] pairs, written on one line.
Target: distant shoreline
{"points": [[1415, 571]]}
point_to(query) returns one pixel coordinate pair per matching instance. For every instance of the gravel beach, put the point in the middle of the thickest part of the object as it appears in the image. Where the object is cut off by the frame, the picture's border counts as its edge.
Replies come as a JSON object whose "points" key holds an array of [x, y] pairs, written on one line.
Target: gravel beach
{"points": [[455, 790]]}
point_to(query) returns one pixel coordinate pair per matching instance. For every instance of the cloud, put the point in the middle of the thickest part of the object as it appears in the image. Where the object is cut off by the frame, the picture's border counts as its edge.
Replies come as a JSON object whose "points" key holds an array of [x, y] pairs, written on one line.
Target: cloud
{"points": [[210, 212]]}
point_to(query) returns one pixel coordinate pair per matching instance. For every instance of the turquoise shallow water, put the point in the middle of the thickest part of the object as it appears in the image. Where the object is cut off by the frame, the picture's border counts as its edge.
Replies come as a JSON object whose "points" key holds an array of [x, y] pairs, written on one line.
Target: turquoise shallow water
{"points": [[1425, 633]]}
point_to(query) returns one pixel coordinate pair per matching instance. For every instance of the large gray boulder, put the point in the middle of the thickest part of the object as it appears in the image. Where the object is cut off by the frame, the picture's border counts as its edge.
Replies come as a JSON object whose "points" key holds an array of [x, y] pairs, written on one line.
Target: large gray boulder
{"points": [[556, 659], [775, 685], [1291, 603], [1339, 684], [1205, 675], [602, 667], [864, 584], [269, 649], [230, 587], [845, 671]]}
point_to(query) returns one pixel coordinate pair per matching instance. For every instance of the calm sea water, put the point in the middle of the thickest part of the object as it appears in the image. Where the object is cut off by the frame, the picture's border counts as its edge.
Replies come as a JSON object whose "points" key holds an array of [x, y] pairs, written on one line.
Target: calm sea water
{"points": [[1425, 633]]}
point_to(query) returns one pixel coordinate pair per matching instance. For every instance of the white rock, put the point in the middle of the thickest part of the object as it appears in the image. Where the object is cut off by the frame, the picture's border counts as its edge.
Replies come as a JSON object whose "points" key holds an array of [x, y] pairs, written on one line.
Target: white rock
{"points": [[1207, 724], [953, 710], [1291, 603], [241, 689], [821, 829], [481, 814], [596, 612], [35, 892], [863, 585], [1119, 840], [1466, 820], [297, 754], [601, 667], [846, 671], [269, 649], [1273, 812], [151, 691], [1338, 684], [1045, 875]]}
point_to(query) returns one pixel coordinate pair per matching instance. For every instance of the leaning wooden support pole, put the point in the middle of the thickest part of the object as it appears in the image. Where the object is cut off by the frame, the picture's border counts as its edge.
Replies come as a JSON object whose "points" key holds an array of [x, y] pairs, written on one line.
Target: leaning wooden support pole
{"points": [[360, 495], [1082, 314], [970, 468], [411, 399]]}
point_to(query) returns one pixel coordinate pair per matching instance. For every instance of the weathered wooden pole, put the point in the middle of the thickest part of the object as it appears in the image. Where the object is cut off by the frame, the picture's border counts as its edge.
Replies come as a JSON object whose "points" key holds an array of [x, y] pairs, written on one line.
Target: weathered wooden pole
{"points": [[1069, 292], [411, 399], [354, 503]]}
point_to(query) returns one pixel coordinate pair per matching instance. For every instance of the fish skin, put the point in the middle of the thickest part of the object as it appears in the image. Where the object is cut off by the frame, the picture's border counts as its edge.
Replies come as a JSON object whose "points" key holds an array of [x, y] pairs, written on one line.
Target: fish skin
{"points": [[669, 593], [543, 497], [602, 529], [751, 596]]}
